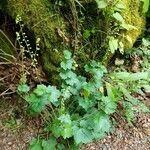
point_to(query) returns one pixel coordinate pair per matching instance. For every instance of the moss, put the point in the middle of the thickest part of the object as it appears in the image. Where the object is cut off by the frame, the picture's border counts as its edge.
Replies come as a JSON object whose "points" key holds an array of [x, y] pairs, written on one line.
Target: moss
{"points": [[43, 20], [134, 17], [41, 17]]}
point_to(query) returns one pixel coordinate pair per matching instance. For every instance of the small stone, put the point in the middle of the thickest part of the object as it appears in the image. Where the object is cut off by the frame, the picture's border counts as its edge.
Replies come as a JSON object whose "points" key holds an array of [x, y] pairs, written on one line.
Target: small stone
{"points": [[9, 143]]}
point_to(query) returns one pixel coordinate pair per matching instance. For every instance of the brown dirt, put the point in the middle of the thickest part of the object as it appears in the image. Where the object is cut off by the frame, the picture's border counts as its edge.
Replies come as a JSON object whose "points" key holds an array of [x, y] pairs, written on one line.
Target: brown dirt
{"points": [[136, 137], [16, 129], [11, 75], [16, 136], [125, 137]]}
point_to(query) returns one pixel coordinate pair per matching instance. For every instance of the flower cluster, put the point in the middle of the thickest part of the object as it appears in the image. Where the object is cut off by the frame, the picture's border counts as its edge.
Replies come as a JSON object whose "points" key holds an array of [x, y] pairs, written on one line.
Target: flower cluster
{"points": [[24, 43]]}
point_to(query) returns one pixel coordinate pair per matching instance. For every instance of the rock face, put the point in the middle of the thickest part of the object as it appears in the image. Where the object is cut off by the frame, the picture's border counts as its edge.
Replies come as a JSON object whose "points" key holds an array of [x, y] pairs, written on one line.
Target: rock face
{"points": [[126, 28], [133, 16], [48, 24], [41, 18]]}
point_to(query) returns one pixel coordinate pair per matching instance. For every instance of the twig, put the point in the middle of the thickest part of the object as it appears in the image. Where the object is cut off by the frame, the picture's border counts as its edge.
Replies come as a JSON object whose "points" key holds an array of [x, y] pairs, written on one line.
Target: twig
{"points": [[6, 93]]}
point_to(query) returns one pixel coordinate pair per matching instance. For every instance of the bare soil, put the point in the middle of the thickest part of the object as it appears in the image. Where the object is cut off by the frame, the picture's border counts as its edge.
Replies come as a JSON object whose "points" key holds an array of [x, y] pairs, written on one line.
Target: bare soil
{"points": [[17, 130], [136, 137]]}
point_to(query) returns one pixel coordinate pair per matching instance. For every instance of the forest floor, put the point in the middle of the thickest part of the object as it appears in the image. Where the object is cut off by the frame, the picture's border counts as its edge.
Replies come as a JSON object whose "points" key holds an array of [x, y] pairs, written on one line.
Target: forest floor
{"points": [[17, 130]]}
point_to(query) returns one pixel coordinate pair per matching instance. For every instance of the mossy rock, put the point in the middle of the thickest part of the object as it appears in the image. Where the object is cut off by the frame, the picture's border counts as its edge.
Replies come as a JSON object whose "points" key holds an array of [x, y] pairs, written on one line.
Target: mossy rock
{"points": [[134, 21], [49, 25], [133, 16], [40, 17]]}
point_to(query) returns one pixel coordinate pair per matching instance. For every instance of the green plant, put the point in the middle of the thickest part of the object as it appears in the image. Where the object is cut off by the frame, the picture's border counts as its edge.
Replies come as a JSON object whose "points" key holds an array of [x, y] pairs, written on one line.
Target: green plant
{"points": [[119, 28], [82, 107], [12, 123], [124, 85], [41, 144], [143, 52], [146, 5], [26, 52], [24, 43], [40, 97]]}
